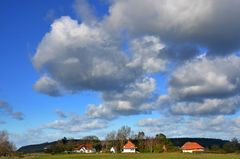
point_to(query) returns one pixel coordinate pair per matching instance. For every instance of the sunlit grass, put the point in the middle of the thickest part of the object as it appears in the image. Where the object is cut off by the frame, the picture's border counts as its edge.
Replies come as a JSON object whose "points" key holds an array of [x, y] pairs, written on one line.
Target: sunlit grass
{"points": [[136, 156]]}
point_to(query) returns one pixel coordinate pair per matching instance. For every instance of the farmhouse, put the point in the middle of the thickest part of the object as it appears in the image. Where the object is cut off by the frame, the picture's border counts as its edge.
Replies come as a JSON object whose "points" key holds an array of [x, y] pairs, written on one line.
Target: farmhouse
{"points": [[113, 149], [129, 147], [190, 147], [87, 148]]}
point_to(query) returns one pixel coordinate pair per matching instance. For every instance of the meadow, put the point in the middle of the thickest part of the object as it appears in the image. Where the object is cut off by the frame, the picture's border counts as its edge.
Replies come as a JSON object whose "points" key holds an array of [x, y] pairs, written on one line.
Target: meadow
{"points": [[136, 156]]}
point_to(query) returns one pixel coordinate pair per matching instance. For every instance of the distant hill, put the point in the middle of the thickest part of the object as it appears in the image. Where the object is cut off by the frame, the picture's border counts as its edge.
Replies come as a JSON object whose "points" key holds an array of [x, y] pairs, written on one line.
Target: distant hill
{"points": [[206, 142], [35, 148], [40, 147]]}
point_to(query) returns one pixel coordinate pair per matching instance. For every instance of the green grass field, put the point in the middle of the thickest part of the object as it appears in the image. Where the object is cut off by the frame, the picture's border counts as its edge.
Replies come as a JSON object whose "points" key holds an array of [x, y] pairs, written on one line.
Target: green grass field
{"points": [[136, 156]]}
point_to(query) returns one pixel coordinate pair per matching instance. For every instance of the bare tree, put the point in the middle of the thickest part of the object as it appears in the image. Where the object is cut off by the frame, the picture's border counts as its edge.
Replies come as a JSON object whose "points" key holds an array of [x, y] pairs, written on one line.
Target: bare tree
{"points": [[122, 135], [3, 136], [110, 139], [111, 136], [7, 148]]}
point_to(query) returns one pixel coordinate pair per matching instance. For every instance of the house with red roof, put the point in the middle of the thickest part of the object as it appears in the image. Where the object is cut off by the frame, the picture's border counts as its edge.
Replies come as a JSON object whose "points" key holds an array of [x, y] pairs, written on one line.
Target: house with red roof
{"points": [[190, 147], [129, 147], [85, 148]]}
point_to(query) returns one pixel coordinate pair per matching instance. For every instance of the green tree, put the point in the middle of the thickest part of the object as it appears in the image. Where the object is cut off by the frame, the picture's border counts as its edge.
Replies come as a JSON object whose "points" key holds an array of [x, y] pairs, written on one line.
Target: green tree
{"points": [[231, 146], [64, 140], [140, 138], [162, 143]]}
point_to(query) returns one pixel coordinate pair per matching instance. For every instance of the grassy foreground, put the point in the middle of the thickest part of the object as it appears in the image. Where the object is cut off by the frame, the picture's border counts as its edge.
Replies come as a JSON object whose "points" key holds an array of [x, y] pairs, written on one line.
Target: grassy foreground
{"points": [[136, 156]]}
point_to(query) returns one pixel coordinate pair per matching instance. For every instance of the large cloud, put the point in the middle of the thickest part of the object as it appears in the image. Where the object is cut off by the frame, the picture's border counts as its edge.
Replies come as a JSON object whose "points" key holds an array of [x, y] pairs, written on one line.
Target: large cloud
{"points": [[210, 23], [207, 77], [207, 107], [117, 56], [88, 57], [206, 86], [133, 100], [81, 57], [224, 127]]}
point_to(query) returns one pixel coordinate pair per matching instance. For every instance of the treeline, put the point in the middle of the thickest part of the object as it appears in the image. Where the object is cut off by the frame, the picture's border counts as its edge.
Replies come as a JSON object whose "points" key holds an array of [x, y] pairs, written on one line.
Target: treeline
{"points": [[68, 145], [232, 146], [151, 144], [117, 139]]}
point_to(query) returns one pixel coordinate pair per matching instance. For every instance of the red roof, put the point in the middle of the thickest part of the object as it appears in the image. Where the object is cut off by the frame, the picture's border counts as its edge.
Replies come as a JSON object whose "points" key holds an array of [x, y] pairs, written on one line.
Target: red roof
{"points": [[191, 146], [87, 146], [129, 145]]}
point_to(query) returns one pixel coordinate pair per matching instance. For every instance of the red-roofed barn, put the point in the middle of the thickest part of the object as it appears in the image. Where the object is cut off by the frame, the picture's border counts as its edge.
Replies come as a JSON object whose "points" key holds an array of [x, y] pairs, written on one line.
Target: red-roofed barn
{"points": [[129, 147], [190, 147]]}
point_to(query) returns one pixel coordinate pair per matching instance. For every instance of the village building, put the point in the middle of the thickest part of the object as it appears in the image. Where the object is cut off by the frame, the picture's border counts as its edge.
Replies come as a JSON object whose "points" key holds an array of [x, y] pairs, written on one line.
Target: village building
{"points": [[129, 147], [113, 149], [87, 148], [191, 147]]}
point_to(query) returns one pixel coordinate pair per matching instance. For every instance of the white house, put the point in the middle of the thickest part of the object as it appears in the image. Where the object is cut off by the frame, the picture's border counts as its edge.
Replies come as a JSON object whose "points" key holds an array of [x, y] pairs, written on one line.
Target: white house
{"points": [[129, 147], [88, 148], [113, 149], [191, 147]]}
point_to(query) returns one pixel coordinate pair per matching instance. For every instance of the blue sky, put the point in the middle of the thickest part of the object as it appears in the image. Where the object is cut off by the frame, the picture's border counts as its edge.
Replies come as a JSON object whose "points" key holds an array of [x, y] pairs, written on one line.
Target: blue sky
{"points": [[77, 68]]}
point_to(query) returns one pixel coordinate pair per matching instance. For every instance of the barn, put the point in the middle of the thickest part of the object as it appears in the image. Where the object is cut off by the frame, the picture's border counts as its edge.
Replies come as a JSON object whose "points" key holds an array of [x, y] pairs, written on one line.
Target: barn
{"points": [[191, 147]]}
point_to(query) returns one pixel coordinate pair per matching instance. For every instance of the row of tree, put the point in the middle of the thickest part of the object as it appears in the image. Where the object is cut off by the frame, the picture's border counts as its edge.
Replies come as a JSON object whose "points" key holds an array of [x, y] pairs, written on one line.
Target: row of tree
{"points": [[116, 139], [229, 147], [158, 143]]}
